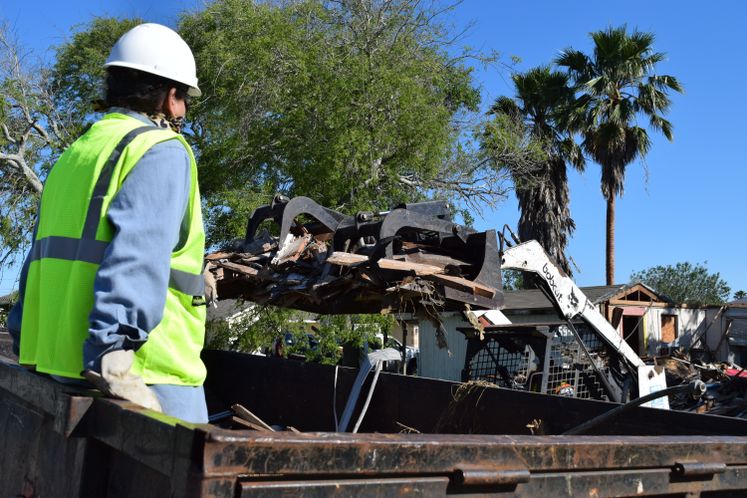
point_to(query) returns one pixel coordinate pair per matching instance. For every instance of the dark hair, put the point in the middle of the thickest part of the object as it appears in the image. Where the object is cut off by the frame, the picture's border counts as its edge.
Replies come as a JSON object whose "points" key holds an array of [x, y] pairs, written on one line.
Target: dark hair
{"points": [[137, 90]]}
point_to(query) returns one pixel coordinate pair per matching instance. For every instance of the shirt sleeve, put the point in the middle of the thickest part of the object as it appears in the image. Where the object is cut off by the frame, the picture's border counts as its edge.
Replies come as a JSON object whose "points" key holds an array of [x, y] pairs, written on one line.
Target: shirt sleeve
{"points": [[131, 284]]}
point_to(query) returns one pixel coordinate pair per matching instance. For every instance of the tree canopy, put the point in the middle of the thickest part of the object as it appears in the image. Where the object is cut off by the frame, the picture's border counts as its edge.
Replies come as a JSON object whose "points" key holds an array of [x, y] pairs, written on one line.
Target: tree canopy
{"points": [[354, 104], [685, 283], [42, 111], [543, 95]]}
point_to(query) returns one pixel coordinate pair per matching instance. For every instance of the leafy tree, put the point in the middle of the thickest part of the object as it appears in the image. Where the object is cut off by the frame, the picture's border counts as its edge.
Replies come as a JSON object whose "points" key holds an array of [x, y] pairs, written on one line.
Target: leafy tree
{"points": [[29, 129], [42, 111], [261, 326], [78, 73], [512, 279], [355, 104], [685, 283], [740, 294], [542, 96], [617, 86]]}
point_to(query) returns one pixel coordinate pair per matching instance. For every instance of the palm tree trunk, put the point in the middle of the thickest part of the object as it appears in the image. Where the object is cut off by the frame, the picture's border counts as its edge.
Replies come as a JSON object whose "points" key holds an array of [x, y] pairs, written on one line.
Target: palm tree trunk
{"points": [[610, 263]]}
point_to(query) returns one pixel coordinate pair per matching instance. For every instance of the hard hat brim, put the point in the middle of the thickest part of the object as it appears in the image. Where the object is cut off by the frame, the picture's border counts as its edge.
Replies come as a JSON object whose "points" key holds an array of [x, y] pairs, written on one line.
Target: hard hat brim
{"points": [[193, 91]]}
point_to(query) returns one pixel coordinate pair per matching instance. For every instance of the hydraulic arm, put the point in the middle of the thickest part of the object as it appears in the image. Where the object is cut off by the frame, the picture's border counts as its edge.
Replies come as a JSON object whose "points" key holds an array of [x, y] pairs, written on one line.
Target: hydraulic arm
{"points": [[572, 303]]}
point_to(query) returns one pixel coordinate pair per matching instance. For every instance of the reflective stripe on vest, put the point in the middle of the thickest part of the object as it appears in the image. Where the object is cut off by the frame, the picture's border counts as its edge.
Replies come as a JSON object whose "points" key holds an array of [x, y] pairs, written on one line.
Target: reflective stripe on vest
{"points": [[92, 251]]}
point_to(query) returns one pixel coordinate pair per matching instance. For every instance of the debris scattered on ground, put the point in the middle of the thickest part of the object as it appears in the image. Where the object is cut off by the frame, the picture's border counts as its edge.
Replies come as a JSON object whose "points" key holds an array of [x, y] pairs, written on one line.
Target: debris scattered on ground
{"points": [[727, 385]]}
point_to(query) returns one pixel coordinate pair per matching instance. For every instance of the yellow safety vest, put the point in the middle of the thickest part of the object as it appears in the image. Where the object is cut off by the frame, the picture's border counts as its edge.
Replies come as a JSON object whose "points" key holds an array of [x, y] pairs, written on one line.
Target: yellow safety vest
{"points": [[72, 235]]}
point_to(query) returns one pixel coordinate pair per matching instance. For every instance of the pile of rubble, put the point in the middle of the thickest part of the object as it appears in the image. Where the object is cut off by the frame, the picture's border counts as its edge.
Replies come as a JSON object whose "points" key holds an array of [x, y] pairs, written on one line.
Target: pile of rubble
{"points": [[410, 259], [726, 383]]}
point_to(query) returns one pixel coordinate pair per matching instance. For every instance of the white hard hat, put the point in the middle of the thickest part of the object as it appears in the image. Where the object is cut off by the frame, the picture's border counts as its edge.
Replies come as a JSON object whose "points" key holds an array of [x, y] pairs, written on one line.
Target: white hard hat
{"points": [[156, 49]]}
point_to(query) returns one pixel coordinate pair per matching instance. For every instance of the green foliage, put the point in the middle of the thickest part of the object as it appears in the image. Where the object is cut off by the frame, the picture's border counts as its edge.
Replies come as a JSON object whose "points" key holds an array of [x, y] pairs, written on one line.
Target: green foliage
{"points": [[617, 89], [359, 105], [351, 104], [25, 108], [685, 283], [740, 294], [43, 110], [78, 72], [255, 330], [537, 158], [261, 326], [512, 280]]}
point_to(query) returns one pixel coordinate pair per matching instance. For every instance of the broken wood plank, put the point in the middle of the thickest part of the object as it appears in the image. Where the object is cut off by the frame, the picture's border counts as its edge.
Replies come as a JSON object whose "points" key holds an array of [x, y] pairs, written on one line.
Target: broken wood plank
{"points": [[349, 259], [291, 249], [246, 424], [340, 258], [419, 268], [244, 270], [245, 414], [218, 255], [463, 284]]}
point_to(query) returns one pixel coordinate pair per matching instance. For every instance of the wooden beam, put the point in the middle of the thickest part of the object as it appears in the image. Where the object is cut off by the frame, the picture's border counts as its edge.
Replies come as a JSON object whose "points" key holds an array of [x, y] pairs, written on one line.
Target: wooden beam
{"points": [[244, 270], [245, 414], [349, 259], [464, 285], [340, 258]]}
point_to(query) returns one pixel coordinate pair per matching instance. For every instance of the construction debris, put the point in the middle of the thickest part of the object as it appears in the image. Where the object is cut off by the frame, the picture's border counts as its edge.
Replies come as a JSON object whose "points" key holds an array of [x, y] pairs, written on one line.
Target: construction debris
{"points": [[410, 259], [726, 383]]}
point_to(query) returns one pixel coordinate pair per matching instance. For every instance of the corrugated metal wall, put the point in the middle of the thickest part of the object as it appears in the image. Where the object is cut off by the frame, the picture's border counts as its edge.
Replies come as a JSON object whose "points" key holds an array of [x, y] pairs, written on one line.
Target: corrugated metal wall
{"points": [[443, 363]]}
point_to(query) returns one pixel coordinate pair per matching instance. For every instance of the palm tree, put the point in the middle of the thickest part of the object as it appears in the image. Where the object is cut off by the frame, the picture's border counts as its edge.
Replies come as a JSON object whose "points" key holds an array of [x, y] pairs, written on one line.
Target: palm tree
{"points": [[542, 190], [616, 86]]}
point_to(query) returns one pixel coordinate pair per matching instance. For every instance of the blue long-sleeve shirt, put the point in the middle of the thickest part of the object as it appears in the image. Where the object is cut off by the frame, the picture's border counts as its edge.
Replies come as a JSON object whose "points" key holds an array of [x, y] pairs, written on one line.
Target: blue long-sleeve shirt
{"points": [[131, 284]]}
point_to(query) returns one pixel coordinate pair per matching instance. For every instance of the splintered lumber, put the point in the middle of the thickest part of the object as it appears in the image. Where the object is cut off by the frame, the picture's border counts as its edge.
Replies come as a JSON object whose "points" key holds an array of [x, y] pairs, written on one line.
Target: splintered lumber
{"points": [[242, 269], [349, 259], [291, 249], [243, 413], [218, 255], [463, 284]]}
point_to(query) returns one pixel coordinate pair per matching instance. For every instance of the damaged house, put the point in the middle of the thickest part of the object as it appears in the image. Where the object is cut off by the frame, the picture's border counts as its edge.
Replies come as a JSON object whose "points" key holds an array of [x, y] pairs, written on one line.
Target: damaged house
{"points": [[650, 323]]}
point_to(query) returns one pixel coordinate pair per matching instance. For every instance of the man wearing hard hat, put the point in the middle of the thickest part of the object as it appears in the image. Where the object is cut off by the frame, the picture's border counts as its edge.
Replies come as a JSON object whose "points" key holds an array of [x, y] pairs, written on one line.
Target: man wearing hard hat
{"points": [[111, 291]]}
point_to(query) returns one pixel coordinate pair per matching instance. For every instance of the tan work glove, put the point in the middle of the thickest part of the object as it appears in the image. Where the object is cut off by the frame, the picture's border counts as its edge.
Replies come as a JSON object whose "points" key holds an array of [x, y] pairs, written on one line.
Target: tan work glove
{"points": [[117, 381], [211, 286]]}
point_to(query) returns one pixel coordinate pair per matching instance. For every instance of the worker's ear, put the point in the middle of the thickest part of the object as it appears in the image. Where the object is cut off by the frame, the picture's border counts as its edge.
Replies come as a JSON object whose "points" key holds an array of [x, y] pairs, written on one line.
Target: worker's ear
{"points": [[173, 106]]}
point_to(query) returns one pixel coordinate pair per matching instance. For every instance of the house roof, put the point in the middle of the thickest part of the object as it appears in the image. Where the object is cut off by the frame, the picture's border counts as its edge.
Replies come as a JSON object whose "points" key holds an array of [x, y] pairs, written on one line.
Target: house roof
{"points": [[535, 299]]}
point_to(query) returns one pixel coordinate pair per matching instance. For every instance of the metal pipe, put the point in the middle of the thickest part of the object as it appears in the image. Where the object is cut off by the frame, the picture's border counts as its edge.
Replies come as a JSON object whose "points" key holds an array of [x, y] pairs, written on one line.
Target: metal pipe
{"points": [[696, 388]]}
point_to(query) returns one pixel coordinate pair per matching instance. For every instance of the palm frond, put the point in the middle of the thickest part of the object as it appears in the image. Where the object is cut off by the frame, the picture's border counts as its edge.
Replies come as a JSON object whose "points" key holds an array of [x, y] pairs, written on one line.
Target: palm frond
{"points": [[505, 105], [665, 127], [575, 61]]}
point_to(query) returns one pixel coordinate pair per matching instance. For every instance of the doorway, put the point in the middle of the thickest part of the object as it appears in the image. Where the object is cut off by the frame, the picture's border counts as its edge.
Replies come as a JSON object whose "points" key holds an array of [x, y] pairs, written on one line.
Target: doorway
{"points": [[632, 330]]}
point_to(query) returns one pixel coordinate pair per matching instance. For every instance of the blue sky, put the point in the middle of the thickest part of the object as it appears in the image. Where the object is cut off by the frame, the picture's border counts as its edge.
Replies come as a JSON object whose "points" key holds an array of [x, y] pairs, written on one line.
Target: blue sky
{"points": [[687, 207]]}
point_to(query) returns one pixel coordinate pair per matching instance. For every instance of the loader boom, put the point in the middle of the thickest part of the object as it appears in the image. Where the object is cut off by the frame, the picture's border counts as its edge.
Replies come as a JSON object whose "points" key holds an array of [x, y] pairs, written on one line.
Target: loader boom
{"points": [[572, 303]]}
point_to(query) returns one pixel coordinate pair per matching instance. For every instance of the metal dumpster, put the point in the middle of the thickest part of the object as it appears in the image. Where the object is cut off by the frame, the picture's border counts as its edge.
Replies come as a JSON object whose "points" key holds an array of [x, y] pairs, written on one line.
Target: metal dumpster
{"points": [[66, 443]]}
